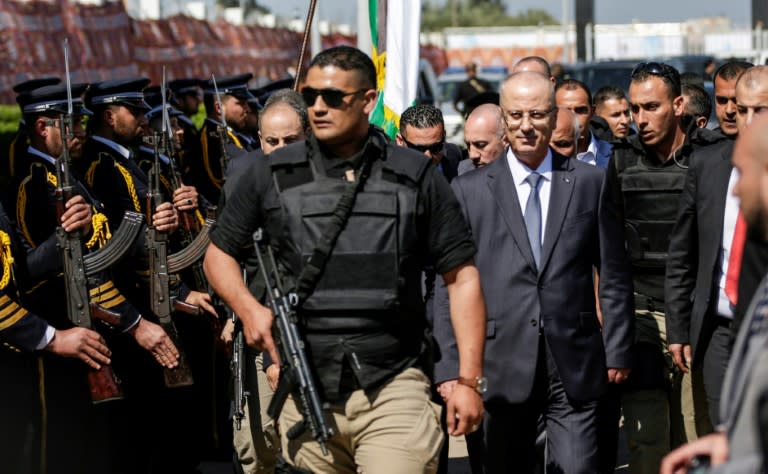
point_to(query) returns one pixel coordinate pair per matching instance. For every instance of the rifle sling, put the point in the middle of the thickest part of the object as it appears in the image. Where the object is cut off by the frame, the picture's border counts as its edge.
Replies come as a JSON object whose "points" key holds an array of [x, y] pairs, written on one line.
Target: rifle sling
{"points": [[313, 270]]}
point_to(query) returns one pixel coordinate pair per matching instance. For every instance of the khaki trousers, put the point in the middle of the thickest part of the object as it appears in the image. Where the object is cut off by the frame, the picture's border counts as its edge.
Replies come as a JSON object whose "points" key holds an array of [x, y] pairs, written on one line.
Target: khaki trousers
{"points": [[395, 429], [657, 420]]}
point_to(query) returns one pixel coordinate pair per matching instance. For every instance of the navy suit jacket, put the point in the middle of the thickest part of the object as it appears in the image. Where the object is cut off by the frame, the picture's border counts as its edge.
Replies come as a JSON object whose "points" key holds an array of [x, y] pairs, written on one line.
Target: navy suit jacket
{"points": [[582, 232]]}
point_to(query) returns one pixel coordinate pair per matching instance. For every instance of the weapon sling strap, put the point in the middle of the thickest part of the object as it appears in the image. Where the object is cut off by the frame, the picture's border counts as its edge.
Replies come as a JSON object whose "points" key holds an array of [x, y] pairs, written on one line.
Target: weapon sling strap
{"points": [[313, 269]]}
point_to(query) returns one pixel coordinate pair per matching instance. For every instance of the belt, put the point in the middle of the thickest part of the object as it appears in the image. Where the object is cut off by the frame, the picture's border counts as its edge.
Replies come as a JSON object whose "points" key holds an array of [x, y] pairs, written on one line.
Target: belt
{"points": [[723, 321]]}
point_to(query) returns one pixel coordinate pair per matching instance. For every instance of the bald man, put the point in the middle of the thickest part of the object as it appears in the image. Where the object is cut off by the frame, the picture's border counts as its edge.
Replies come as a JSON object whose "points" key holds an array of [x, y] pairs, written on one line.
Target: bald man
{"points": [[736, 447], [565, 137], [484, 137], [541, 223], [534, 64]]}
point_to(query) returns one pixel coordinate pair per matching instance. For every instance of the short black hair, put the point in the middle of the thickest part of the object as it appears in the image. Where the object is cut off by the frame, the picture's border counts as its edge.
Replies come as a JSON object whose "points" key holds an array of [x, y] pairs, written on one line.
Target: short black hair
{"points": [[668, 74], [691, 78], [732, 70], [699, 104], [292, 99], [607, 93], [348, 59], [421, 116], [572, 85]]}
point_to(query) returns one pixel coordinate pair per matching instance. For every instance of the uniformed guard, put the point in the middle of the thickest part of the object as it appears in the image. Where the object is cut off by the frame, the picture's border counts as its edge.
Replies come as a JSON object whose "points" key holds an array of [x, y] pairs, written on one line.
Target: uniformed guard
{"points": [[19, 141], [113, 175], [362, 313], [187, 96], [227, 126], [70, 422]]}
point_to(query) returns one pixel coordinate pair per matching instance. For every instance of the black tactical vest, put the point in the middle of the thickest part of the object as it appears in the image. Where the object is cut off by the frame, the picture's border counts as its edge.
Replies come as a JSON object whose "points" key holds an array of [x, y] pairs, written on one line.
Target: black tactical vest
{"points": [[371, 278], [651, 198]]}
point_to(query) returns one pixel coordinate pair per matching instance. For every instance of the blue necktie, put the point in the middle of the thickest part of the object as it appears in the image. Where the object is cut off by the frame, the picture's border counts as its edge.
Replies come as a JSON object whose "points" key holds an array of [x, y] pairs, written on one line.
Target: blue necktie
{"points": [[533, 216]]}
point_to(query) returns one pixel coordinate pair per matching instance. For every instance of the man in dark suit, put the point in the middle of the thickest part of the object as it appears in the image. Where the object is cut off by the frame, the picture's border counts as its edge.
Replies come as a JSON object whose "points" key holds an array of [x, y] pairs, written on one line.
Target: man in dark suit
{"points": [[422, 129], [541, 223], [700, 305], [736, 447]]}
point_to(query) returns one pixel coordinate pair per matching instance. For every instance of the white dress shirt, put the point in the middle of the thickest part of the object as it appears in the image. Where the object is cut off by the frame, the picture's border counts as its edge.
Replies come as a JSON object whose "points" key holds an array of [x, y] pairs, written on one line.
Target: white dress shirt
{"points": [[520, 171], [724, 306]]}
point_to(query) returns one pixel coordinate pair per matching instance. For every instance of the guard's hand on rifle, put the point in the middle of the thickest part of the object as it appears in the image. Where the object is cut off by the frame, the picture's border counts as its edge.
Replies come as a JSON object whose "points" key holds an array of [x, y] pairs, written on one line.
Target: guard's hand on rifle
{"points": [[165, 218], [81, 343], [77, 215], [153, 338], [257, 329], [202, 300], [185, 198]]}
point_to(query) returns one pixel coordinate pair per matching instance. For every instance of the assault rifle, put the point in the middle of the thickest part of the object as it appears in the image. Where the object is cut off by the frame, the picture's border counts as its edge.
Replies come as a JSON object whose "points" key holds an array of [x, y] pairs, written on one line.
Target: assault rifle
{"points": [[223, 131], [187, 224], [240, 395], [295, 373], [78, 267]]}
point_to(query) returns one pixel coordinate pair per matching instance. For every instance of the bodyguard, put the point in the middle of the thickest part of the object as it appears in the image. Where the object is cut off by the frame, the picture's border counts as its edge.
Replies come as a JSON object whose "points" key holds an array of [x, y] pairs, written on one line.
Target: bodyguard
{"points": [[364, 323]]}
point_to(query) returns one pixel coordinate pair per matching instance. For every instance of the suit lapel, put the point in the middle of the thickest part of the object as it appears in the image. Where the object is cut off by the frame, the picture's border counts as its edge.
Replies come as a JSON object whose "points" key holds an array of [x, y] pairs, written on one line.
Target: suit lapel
{"points": [[720, 176], [503, 189], [560, 192]]}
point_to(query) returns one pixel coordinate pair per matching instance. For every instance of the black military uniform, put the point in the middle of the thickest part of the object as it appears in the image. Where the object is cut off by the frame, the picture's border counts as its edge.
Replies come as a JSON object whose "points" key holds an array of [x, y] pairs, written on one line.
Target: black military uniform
{"points": [[190, 149], [209, 172], [76, 430], [113, 175]]}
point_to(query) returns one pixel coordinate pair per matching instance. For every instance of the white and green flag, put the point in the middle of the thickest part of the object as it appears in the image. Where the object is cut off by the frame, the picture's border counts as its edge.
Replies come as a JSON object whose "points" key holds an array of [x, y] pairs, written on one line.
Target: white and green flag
{"points": [[394, 47]]}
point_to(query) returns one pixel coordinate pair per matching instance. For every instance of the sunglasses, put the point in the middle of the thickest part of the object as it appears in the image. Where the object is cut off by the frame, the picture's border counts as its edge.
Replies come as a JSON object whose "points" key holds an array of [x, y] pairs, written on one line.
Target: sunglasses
{"points": [[333, 98], [433, 148], [654, 68]]}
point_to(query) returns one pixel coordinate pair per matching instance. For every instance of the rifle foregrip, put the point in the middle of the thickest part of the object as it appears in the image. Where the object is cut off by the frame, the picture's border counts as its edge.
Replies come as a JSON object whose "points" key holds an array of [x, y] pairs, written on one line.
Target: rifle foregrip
{"points": [[104, 385]]}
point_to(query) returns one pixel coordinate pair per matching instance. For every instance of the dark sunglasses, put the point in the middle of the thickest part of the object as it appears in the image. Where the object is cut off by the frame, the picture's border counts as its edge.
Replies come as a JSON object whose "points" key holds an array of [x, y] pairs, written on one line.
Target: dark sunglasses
{"points": [[433, 148], [332, 97], [654, 68]]}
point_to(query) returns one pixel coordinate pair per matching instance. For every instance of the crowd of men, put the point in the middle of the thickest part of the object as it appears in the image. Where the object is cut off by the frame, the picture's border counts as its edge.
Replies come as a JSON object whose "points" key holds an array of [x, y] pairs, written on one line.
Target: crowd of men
{"points": [[589, 261]]}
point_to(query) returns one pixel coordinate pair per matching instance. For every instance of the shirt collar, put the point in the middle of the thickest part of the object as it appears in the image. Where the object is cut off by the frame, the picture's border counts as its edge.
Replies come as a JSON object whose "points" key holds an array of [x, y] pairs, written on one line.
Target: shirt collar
{"points": [[34, 151], [123, 151], [520, 170], [589, 156]]}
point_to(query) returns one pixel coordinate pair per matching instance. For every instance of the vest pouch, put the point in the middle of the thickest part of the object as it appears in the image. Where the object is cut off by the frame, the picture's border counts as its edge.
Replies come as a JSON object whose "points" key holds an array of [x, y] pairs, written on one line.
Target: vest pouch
{"points": [[362, 271], [651, 201]]}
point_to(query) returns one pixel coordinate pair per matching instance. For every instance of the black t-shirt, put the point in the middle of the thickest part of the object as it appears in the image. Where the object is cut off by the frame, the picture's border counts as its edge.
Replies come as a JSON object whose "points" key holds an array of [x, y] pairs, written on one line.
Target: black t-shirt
{"points": [[376, 357]]}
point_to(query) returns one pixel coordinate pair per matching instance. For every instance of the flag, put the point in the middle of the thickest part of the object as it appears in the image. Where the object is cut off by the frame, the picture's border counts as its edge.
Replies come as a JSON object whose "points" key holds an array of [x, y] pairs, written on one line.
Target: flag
{"points": [[394, 33]]}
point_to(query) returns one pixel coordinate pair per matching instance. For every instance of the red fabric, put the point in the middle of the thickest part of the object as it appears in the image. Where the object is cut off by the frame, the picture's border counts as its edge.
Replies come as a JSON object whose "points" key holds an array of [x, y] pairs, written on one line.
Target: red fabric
{"points": [[734, 261]]}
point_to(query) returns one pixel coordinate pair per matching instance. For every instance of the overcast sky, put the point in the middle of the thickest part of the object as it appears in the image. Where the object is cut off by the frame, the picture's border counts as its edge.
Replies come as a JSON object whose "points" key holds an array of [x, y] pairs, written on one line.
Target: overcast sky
{"points": [[606, 11]]}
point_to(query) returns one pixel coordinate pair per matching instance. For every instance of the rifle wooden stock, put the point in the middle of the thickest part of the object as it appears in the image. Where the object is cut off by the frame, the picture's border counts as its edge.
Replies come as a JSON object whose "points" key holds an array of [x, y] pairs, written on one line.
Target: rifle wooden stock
{"points": [[183, 307], [103, 314], [104, 385]]}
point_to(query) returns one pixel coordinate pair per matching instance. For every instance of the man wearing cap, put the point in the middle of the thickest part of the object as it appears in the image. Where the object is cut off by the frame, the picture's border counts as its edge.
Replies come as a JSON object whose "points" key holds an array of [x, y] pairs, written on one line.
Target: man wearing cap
{"points": [[234, 94], [19, 140], [113, 175], [186, 96], [33, 201]]}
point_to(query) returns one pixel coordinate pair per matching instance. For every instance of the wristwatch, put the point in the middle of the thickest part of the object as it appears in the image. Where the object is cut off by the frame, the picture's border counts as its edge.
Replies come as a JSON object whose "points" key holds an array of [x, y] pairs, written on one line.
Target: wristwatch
{"points": [[479, 384]]}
